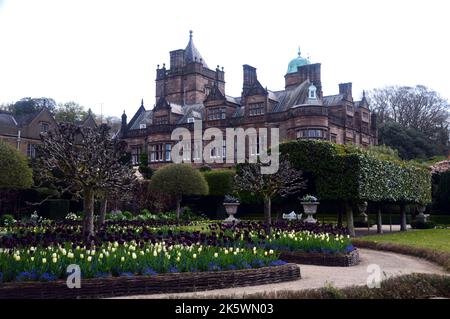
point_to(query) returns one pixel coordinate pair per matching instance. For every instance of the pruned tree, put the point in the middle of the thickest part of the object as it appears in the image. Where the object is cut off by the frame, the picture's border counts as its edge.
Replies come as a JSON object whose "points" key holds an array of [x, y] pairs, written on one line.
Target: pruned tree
{"points": [[87, 160], [287, 181], [179, 180]]}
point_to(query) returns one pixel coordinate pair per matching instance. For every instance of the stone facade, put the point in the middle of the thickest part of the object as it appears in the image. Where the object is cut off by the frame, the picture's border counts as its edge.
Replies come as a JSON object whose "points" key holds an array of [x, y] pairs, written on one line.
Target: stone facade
{"points": [[23, 132], [189, 91]]}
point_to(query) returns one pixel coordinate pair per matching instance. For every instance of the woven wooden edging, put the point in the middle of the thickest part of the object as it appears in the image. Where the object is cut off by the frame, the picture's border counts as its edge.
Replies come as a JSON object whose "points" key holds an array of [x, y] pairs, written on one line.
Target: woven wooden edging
{"points": [[320, 259], [161, 283]]}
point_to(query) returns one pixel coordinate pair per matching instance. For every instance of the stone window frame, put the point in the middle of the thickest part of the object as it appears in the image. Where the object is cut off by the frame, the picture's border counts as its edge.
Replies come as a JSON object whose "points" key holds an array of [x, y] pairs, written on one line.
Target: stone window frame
{"points": [[136, 152], [44, 127], [161, 120], [31, 150], [216, 113], [255, 109]]}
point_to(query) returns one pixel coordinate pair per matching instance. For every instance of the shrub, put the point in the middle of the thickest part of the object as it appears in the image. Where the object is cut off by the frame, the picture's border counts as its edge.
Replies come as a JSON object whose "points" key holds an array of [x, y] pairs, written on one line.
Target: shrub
{"points": [[352, 173], [14, 170], [420, 224], [179, 180], [7, 220], [220, 182]]}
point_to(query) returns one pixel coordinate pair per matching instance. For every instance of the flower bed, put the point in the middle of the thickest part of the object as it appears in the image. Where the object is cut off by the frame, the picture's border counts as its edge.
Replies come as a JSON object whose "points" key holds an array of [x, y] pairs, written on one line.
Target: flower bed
{"points": [[162, 283], [128, 259]]}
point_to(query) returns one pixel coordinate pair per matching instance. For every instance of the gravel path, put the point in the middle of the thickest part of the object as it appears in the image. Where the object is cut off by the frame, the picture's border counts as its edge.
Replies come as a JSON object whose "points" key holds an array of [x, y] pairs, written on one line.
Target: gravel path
{"points": [[391, 264]]}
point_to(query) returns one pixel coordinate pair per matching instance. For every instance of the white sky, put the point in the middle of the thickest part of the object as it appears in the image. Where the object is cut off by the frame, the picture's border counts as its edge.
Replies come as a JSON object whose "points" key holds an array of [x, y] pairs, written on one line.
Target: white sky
{"points": [[94, 52]]}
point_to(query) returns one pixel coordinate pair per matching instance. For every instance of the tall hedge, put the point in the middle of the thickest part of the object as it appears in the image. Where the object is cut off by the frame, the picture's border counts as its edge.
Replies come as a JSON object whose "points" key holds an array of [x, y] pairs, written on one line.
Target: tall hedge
{"points": [[14, 170], [220, 182], [351, 173]]}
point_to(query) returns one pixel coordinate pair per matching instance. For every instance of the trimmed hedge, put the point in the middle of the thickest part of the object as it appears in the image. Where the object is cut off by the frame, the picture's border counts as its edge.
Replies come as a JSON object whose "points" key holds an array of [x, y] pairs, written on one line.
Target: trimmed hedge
{"points": [[351, 173], [220, 182]]}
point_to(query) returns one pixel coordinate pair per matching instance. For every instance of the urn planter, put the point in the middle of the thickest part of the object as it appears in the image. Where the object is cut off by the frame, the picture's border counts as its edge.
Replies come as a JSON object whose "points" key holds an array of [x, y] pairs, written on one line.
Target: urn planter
{"points": [[310, 209], [231, 209]]}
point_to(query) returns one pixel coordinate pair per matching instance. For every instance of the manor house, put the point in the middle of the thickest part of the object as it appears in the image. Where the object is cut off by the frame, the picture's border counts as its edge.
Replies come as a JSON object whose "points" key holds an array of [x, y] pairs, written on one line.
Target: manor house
{"points": [[189, 90]]}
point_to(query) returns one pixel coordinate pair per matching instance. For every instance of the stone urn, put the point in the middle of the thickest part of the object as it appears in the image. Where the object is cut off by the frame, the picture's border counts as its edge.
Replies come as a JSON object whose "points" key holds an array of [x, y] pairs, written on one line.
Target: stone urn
{"points": [[231, 205], [310, 209], [231, 209], [421, 216], [362, 207]]}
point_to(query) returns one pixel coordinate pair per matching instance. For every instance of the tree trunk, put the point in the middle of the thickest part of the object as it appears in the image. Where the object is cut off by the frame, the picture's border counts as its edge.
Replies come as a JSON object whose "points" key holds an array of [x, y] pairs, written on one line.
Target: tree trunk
{"points": [[178, 209], [341, 209], [268, 212], [88, 208], [402, 217], [379, 220], [349, 213], [103, 209]]}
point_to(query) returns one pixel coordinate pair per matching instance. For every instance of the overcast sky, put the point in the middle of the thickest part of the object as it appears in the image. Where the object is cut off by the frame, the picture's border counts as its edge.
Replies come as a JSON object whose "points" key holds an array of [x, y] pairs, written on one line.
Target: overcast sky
{"points": [[95, 52]]}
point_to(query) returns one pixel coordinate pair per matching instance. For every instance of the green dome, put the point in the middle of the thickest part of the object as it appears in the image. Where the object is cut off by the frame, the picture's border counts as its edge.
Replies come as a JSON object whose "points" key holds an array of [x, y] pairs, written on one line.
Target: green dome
{"points": [[297, 62]]}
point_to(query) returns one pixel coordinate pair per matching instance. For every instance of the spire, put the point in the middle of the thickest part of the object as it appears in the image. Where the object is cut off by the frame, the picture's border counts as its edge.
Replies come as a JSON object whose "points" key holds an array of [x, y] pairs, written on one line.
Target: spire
{"points": [[191, 53], [142, 102], [299, 52]]}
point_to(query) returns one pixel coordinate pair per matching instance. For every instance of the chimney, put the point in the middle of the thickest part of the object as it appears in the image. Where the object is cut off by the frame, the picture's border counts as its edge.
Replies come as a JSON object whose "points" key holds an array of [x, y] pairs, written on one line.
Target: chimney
{"points": [[250, 78], [177, 60], [346, 90], [123, 126]]}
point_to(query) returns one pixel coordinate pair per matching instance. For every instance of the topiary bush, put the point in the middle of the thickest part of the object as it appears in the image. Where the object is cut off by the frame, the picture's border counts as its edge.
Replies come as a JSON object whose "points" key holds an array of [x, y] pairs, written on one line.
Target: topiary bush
{"points": [[220, 182], [179, 180], [352, 173]]}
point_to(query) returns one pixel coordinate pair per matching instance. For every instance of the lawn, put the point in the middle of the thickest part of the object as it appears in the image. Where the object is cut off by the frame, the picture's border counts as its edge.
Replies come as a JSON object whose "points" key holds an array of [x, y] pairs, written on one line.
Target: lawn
{"points": [[438, 239]]}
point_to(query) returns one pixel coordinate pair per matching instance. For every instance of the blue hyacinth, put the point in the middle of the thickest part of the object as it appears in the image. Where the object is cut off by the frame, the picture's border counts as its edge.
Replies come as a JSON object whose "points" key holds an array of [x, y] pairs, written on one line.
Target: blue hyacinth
{"points": [[277, 263], [48, 277], [1, 276], [102, 275], [349, 248], [149, 272], [127, 274], [173, 269]]}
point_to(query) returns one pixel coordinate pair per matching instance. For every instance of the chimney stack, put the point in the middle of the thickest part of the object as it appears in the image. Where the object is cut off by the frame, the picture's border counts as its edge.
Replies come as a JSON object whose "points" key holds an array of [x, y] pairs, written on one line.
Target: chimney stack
{"points": [[346, 90], [250, 78]]}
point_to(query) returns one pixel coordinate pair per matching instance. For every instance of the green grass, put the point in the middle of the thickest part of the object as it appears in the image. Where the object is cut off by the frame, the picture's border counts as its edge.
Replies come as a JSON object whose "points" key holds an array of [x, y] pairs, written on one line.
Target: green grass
{"points": [[437, 239]]}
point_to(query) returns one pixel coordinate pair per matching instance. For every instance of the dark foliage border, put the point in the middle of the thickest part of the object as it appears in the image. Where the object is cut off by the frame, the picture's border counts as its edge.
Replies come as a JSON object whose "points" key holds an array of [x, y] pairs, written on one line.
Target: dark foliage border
{"points": [[162, 283], [321, 259]]}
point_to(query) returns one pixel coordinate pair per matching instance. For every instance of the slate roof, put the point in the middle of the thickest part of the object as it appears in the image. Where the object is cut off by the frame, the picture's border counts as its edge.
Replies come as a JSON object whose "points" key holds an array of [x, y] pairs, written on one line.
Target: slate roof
{"points": [[332, 100], [191, 53]]}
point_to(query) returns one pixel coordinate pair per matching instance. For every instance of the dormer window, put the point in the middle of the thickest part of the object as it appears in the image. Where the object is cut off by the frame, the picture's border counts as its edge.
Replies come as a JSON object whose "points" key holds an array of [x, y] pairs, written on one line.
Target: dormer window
{"points": [[142, 126], [190, 120], [312, 92]]}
